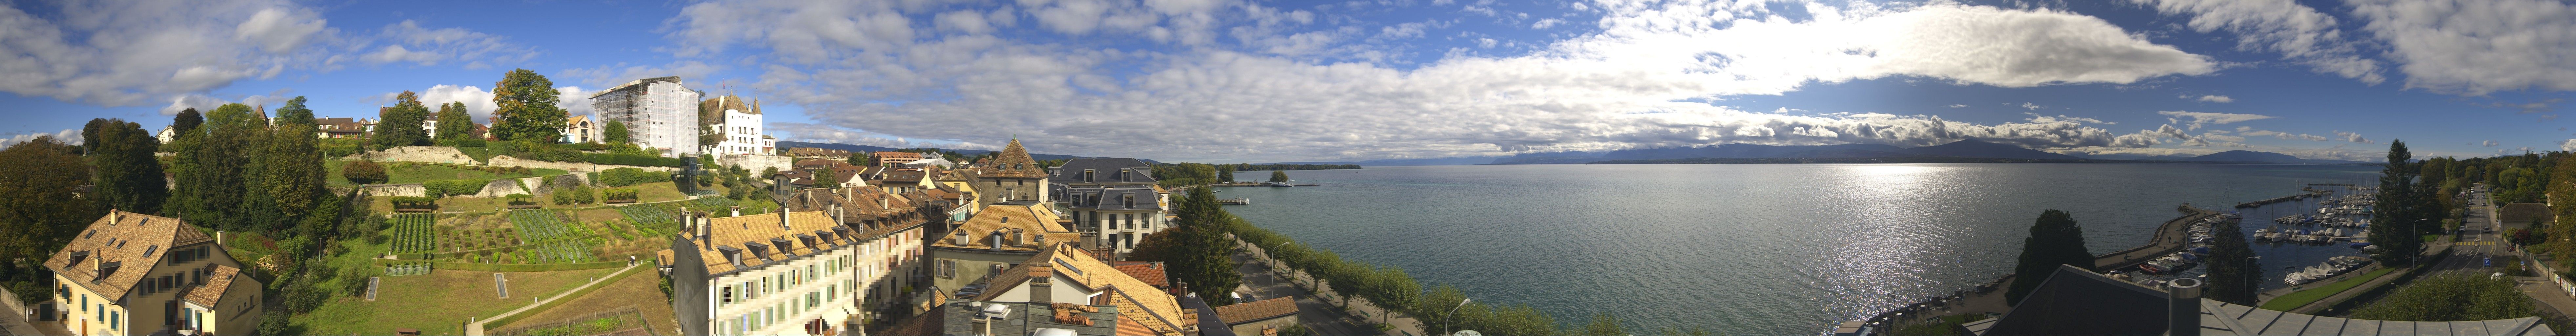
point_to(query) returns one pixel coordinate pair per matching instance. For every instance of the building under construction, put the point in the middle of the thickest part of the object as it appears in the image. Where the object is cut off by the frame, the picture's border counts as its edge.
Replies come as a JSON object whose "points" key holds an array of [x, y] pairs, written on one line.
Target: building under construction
{"points": [[658, 112]]}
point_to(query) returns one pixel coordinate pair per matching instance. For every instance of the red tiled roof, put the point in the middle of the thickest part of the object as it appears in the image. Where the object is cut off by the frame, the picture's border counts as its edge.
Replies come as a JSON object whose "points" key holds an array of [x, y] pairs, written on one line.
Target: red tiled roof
{"points": [[1151, 272], [1257, 310]]}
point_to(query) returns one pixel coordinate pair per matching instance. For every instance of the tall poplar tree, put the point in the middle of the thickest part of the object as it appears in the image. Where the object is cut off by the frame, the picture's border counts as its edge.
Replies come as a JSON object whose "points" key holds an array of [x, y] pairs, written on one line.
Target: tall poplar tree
{"points": [[2055, 239], [525, 103], [216, 186], [128, 176], [183, 163], [1202, 256], [400, 125], [454, 122]]}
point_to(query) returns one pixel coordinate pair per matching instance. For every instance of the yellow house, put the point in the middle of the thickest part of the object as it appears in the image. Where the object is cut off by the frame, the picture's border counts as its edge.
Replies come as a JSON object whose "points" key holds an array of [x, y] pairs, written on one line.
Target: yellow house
{"points": [[137, 274]]}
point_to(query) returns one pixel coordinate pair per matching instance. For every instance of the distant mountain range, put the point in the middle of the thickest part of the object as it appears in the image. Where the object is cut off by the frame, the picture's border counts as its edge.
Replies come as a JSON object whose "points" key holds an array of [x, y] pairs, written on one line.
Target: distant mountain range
{"points": [[1854, 153], [865, 148]]}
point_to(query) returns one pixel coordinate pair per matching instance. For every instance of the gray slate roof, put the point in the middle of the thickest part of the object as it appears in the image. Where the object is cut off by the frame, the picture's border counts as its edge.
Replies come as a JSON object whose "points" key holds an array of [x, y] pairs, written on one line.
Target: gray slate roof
{"points": [[1096, 198], [1105, 170]]}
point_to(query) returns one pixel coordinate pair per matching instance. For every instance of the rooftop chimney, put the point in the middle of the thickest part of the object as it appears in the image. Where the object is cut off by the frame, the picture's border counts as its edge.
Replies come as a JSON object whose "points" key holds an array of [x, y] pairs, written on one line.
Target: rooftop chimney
{"points": [[782, 220], [2183, 311]]}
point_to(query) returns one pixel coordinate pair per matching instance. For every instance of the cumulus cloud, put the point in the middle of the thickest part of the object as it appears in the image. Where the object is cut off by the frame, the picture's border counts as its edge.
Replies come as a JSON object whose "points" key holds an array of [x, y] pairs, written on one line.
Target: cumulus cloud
{"points": [[2211, 98], [408, 42], [2489, 143], [65, 136], [2300, 34], [691, 72], [1958, 105], [2569, 145], [1639, 82], [206, 104], [573, 99], [2198, 119], [2352, 137], [118, 53], [2476, 47], [2032, 106]]}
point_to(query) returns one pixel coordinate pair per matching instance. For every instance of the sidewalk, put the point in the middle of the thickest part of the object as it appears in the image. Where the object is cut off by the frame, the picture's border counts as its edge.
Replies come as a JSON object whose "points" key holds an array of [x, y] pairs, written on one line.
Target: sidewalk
{"points": [[1254, 261]]}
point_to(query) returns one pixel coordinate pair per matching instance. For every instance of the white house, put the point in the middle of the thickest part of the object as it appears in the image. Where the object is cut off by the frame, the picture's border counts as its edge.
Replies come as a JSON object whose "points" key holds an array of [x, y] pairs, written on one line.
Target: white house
{"points": [[656, 113], [740, 124]]}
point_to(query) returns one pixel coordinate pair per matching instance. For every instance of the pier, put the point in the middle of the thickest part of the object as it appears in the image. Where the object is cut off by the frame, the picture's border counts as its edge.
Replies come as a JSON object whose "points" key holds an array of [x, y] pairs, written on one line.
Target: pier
{"points": [[2311, 192], [1234, 201]]}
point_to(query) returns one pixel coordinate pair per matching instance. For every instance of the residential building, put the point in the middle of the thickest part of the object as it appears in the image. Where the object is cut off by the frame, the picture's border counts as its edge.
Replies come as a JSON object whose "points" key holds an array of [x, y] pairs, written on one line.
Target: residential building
{"points": [[1012, 176], [738, 122], [897, 158], [579, 129], [1151, 272], [1064, 273], [996, 238], [2524, 215], [137, 274], [658, 114], [787, 272], [891, 230], [168, 133], [1265, 317], [338, 128], [1114, 199]]}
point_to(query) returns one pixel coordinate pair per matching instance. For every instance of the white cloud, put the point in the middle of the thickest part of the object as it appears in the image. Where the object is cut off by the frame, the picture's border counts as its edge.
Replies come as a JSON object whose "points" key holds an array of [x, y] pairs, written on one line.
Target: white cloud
{"points": [[2300, 34], [2032, 106], [2212, 118], [692, 72], [1545, 23], [477, 100], [2569, 145], [117, 53], [207, 104], [1640, 82], [2352, 137], [1958, 105], [2489, 143], [2211, 98], [408, 42], [2476, 47], [66, 136]]}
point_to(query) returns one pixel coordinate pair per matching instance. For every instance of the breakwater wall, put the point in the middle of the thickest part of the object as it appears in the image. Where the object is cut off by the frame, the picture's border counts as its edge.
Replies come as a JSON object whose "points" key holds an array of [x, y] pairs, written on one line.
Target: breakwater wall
{"points": [[2309, 192]]}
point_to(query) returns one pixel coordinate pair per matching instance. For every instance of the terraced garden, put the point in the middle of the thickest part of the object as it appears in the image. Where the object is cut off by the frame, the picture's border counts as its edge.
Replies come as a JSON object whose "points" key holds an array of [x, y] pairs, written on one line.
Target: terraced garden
{"points": [[415, 233], [551, 239]]}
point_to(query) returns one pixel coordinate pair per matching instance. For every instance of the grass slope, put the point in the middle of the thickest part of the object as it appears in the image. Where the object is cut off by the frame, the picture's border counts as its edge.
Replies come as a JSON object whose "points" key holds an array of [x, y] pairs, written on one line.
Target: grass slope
{"points": [[2294, 300]]}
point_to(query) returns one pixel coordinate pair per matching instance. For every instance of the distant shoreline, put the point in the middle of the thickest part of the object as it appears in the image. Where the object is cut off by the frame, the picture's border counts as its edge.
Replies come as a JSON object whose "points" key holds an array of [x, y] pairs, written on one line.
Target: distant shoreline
{"points": [[1907, 160]]}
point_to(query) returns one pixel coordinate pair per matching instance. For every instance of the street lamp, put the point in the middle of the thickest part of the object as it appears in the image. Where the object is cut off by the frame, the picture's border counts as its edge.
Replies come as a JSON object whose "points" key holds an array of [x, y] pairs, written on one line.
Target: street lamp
{"points": [[1453, 314]]}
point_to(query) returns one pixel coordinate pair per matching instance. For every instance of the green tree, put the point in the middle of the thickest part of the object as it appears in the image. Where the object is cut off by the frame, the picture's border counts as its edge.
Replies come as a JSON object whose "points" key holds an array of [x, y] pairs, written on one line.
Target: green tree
{"points": [[226, 160], [615, 132], [2055, 239], [454, 122], [2233, 273], [1603, 324], [400, 125], [525, 103], [2395, 219], [1393, 290], [1203, 257], [41, 213], [183, 161], [1225, 173], [128, 176], [1435, 306], [294, 169], [89, 135], [710, 136], [861, 159], [1278, 176], [825, 178], [2451, 297]]}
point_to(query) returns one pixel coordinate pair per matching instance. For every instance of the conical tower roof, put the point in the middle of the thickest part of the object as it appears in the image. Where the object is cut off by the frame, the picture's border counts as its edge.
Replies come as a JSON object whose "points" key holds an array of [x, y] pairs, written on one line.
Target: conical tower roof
{"points": [[1014, 162]]}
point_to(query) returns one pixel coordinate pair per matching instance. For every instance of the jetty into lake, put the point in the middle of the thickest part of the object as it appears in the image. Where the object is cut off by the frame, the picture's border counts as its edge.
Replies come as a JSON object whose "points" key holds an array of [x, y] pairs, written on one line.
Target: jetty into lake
{"points": [[2308, 193], [1234, 201]]}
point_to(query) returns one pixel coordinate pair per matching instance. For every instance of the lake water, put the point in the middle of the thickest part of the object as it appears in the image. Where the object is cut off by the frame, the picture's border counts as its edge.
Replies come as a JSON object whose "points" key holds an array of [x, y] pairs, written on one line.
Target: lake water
{"points": [[1749, 248]]}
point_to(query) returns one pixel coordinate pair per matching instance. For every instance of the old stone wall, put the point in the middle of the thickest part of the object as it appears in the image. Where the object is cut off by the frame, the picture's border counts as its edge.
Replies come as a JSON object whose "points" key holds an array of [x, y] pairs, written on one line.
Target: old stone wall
{"points": [[406, 189], [500, 188], [757, 163], [433, 154]]}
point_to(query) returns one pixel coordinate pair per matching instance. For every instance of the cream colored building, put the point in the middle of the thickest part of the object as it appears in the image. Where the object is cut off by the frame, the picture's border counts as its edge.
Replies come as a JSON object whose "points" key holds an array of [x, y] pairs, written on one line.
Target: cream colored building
{"points": [[1063, 273], [1012, 176], [998, 237], [136, 274]]}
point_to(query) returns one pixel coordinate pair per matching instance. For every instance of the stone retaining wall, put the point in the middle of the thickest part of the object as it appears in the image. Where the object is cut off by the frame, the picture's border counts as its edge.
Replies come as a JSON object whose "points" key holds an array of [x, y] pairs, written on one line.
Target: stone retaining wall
{"points": [[432, 154], [575, 167], [500, 188], [758, 163], [406, 189]]}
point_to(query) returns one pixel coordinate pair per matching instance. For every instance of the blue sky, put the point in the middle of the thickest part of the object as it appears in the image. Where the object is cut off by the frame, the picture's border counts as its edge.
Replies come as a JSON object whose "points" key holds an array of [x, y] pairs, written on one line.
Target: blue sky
{"points": [[1309, 81]]}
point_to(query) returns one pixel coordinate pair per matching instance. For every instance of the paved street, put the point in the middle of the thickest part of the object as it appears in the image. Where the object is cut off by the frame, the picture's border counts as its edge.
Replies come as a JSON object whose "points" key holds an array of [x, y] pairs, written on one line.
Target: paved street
{"points": [[1260, 282]]}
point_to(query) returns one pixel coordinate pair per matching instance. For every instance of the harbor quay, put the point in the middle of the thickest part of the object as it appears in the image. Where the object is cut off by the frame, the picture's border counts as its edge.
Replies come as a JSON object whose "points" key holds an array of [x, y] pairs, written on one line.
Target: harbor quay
{"points": [[2170, 237]]}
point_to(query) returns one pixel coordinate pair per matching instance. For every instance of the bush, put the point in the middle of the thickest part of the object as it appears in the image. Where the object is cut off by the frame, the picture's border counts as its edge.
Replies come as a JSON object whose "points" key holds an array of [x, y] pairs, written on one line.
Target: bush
{"points": [[632, 160], [304, 298], [273, 323], [2451, 297], [444, 188], [339, 150], [363, 172]]}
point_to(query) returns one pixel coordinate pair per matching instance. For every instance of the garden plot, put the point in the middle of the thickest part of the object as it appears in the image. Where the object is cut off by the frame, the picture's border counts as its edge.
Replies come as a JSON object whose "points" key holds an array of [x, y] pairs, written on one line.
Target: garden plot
{"points": [[548, 238], [415, 233]]}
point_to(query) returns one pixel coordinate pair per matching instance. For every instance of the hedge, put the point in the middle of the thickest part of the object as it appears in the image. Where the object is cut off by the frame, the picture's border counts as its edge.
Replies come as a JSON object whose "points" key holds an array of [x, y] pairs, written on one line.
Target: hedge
{"points": [[633, 160], [620, 194], [620, 177], [411, 202], [444, 188]]}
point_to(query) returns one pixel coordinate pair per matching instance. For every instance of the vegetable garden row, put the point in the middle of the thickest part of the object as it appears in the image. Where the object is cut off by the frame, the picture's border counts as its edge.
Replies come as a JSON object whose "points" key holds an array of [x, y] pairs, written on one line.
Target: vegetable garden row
{"points": [[415, 233], [551, 239]]}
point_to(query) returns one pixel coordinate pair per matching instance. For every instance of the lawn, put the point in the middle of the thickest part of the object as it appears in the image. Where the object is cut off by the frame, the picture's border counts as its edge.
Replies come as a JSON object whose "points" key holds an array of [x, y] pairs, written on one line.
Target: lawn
{"points": [[641, 292], [480, 154], [2302, 298], [440, 302]]}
